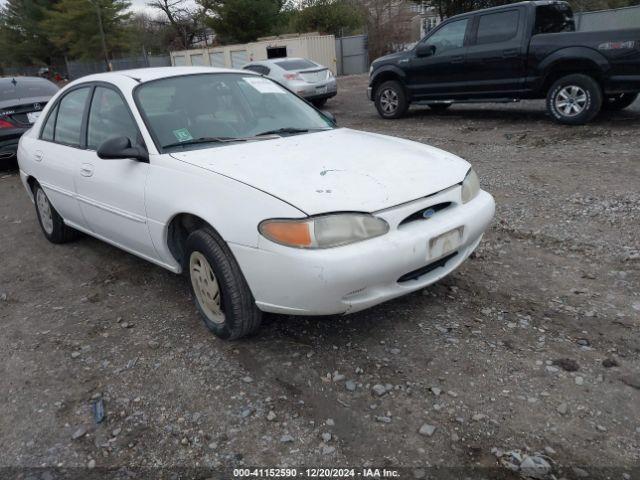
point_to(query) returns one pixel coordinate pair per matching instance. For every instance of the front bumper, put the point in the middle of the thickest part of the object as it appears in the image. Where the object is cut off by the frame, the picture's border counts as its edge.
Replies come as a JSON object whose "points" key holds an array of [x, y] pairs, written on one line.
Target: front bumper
{"points": [[370, 93], [354, 277]]}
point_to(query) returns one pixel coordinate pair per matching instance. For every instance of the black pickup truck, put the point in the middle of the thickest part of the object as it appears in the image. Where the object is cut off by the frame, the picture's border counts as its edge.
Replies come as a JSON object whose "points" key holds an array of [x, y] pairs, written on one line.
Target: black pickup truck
{"points": [[524, 50]]}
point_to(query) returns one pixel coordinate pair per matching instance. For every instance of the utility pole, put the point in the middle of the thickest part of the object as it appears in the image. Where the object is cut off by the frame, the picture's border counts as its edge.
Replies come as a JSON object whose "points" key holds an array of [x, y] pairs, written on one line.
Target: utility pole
{"points": [[102, 37]]}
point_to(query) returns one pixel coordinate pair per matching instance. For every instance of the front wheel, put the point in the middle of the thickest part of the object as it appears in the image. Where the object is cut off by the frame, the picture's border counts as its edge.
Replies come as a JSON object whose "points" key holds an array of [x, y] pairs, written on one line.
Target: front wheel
{"points": [[221, 293], [391, 100], [51, 223], [574, 99], [620, 101]]}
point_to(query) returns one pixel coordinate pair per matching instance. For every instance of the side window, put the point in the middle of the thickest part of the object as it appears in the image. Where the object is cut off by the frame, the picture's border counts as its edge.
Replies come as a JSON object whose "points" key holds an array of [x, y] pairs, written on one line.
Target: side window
{"points": [[70, 113], [47, 131], [449, 37], [498, 27], [109, 117]]}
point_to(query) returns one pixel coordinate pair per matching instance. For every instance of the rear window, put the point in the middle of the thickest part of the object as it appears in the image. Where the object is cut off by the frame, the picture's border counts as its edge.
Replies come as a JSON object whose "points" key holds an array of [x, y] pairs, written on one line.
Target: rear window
{"points": [[554, 19], [498, 27], [26, 87], [296, 64]]}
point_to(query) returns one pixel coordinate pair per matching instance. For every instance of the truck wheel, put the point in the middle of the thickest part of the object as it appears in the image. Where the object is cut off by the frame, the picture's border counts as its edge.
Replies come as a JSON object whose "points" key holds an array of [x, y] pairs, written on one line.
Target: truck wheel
{"points": [[220, 290], [574, 99], [391, 100], [620, 101]]}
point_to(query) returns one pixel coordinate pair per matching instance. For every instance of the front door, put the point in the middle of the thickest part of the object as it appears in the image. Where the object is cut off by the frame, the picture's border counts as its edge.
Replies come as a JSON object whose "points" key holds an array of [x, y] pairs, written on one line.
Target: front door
{"points": [[111, 193], [441, 73]]}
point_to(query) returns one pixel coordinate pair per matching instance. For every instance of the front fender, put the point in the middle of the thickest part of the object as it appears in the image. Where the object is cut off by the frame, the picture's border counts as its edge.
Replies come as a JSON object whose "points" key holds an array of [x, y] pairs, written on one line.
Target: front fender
{"points": [[386, 71], [233, 208]]}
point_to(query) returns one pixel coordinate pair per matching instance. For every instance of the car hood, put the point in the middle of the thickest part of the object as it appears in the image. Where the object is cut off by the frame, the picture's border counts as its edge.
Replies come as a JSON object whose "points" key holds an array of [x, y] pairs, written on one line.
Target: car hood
{"points": [[335, 170]]}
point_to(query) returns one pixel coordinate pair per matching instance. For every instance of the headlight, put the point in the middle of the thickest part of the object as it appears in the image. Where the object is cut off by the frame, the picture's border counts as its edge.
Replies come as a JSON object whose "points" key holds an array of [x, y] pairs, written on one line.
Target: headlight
{"points": [[470, 186], [324, 231]]}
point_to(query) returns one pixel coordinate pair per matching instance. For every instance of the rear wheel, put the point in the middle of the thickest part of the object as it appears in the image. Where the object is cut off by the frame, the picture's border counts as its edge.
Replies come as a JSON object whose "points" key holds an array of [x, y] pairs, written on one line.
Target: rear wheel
{"points": [[574, 99], [220, 290], [620, 101], [391, 100], [51, 223]]}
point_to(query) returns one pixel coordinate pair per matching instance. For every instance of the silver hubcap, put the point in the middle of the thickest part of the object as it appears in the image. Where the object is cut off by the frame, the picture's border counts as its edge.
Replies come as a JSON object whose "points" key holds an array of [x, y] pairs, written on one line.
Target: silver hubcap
{"points": [[389, 101], [571, 100], [44, 211], [206, 287]]}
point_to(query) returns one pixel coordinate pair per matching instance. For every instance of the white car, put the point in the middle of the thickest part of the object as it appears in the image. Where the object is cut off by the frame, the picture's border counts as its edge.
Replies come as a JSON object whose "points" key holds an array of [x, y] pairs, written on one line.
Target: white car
{"points": [[310, 80], [255, 195]]}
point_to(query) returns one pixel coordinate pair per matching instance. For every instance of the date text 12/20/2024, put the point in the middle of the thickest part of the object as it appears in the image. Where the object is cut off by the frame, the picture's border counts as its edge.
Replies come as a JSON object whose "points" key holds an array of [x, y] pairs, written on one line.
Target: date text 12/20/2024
{"points": [[315, 473]]}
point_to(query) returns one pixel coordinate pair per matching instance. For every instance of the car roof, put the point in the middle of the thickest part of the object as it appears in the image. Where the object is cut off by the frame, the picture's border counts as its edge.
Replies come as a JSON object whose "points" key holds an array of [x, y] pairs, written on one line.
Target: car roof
{"points": [[142, 75]]}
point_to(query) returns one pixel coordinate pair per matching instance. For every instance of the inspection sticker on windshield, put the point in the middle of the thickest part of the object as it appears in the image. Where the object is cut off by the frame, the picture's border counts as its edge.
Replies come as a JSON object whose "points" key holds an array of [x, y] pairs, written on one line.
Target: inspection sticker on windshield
{"points": [[263, 85], [183, 135]]}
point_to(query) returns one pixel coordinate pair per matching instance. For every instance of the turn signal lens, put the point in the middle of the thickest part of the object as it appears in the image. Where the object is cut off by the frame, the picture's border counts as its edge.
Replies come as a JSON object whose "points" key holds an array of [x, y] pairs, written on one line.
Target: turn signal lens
{"points": [[294, 234], [324, 231], [470, 186]]}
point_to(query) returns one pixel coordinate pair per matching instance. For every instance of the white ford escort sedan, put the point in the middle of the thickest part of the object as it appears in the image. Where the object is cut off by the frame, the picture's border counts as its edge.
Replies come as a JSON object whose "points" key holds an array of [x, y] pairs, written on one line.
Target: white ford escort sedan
{"points": [[254, 194]]}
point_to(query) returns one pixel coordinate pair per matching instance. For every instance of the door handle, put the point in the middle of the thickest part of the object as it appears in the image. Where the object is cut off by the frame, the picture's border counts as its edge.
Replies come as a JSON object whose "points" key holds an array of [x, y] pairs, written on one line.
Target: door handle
{"points": [[37, 155], [86, 170], [510, 53], [457, 59]]}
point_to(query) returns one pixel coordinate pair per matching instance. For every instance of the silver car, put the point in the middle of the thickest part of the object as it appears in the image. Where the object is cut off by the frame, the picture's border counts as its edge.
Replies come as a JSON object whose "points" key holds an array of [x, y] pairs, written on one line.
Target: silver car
{"points": [[308, 79]]}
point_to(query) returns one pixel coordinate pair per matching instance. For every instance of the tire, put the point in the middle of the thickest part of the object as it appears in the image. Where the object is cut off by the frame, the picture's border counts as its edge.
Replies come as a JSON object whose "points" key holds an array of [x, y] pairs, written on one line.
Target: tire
{"points": [[439, 107], [51, 223], [391, 100], [219, 288], [319, 103], [574, 99], [620, 101]]}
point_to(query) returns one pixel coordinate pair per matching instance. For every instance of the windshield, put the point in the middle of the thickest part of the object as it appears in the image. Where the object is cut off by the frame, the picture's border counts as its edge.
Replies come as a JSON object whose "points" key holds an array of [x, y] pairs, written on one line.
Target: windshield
{"points": [[298, 64], [198, 111]]}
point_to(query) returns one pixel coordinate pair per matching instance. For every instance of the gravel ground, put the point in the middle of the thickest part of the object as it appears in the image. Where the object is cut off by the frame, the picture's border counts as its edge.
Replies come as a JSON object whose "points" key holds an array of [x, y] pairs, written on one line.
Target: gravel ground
{"points": [[530, 348]]}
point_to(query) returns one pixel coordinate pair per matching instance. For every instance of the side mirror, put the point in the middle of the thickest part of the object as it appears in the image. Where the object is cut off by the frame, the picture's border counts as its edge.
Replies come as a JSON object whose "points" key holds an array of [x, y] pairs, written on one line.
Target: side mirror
{"points": [[329, 115], [120, 148], [424, 50]]}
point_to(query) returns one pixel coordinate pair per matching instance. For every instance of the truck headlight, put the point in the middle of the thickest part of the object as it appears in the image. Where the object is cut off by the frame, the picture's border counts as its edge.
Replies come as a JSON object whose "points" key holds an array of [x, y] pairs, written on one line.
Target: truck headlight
{"points": [[324, 231], [470, 186]]}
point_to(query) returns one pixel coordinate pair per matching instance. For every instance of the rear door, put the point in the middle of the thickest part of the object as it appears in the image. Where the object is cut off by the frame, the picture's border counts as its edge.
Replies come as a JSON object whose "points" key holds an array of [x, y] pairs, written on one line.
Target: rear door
{"points": [[441, 74], [57, 153], [496, 58]]}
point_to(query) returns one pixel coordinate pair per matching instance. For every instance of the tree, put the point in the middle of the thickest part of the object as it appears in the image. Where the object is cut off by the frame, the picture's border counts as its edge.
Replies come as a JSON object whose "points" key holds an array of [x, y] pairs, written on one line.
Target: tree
{"points": [[327, 16], [241, 21], [73, 27], [184, 22], [22, 40]]}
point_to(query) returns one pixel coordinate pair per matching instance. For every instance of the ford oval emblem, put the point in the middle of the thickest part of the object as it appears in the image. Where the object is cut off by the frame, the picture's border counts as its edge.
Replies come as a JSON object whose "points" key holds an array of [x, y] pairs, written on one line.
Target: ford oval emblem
{"points": [[428, 213]]}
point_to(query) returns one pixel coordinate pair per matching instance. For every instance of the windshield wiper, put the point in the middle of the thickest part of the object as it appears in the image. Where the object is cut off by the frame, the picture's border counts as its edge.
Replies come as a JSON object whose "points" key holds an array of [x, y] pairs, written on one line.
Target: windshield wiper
{"points": [[195, 141], [286, 130]]}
